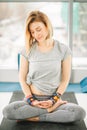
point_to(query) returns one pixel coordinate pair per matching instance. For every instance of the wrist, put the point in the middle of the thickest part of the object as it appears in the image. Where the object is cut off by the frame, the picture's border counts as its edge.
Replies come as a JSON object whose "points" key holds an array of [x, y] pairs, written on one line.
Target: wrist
{"points": [[53, 101], [30, 99], [58, 94], [28, 96], [55, 97]]}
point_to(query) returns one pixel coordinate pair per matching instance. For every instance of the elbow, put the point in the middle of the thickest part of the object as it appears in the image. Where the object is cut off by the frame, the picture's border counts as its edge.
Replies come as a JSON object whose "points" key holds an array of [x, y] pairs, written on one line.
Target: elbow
{"points": [[20, 78]]}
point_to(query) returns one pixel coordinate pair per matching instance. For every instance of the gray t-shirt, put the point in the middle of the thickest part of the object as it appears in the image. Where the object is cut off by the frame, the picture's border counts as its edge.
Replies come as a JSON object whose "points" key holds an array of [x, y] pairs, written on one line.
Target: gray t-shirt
{"points": [[45, 67]]}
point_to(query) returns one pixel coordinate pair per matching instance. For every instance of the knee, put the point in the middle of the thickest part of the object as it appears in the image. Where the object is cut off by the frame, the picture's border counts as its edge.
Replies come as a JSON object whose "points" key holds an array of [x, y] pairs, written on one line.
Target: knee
{"points": [[78, 113], [7, 112]]}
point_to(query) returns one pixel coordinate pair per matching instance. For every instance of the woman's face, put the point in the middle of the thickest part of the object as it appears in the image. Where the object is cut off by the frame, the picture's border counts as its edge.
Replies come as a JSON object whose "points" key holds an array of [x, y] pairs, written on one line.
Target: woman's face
{"points": [[38, 31]]}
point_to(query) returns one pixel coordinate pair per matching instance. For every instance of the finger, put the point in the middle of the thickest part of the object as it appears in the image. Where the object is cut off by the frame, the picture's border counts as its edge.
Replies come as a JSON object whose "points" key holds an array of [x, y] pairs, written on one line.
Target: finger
{"points": [[45, 105], [43, 102], [42, 106], [64, 101]]}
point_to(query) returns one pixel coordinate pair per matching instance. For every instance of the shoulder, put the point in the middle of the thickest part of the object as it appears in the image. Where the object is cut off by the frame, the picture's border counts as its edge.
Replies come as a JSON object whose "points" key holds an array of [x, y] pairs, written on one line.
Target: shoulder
{"points": [[23, 52], [27, 55], [61, 46], [63, 49]]}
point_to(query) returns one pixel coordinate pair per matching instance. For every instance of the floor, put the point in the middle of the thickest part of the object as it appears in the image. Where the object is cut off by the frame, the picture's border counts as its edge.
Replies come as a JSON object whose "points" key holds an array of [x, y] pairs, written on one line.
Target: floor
{"points": [[5, 98]]}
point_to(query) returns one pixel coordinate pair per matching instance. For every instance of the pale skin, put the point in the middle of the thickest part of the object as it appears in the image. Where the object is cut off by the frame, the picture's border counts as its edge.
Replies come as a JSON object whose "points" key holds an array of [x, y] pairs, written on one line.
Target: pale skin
{"points": [[40, 32]]}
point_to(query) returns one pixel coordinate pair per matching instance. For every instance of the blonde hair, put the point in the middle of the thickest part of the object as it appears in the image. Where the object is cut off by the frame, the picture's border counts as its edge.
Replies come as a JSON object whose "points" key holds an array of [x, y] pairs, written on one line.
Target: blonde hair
{"points": [[38, 17]]}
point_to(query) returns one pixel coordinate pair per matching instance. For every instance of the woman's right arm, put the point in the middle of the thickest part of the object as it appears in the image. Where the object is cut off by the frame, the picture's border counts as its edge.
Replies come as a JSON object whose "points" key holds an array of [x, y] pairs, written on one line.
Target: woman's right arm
{"points": [[24, 68]]}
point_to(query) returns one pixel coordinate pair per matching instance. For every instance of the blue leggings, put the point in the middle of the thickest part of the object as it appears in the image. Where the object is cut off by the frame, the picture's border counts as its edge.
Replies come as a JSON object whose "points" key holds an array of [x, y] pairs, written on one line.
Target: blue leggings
{"points": [[20, 110]]}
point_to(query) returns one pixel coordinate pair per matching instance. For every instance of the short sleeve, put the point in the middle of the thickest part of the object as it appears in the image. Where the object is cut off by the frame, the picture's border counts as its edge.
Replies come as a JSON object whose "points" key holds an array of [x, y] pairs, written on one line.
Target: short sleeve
{"points": [[67, 52], [64, 50], [23, 53]]}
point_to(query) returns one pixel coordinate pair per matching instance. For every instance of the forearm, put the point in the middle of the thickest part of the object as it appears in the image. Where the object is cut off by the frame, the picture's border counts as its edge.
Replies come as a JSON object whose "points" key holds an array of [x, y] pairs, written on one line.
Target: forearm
{"points": [[65, 76], [62, 87], [25, 88]]}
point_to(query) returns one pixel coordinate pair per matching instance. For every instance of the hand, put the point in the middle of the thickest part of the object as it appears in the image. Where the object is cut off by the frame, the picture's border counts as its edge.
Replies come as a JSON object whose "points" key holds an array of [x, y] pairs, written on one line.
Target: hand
{"points": [[42, 104], [57, 104]]}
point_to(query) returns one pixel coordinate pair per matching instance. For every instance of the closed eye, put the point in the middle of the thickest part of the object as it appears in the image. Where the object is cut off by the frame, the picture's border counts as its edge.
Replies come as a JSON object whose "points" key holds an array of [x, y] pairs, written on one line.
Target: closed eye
{"points": [[38, 29]]}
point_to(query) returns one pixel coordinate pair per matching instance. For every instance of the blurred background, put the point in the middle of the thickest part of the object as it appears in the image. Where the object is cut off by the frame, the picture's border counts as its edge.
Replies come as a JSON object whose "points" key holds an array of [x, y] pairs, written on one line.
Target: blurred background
{"points": [[69, 22]]}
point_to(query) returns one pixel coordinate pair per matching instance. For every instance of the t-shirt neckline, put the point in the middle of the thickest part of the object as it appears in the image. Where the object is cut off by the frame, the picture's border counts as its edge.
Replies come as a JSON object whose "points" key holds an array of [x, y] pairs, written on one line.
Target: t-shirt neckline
{"points": [[47, 52]]}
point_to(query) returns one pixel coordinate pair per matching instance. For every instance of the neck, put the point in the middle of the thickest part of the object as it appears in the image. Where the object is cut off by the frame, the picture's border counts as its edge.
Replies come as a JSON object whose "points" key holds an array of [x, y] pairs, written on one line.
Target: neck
{"points": [[47, 42]]}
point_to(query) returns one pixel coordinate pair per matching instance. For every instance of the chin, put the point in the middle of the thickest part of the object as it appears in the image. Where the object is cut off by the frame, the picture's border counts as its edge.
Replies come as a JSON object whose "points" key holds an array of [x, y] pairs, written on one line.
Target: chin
{"points": [[41, 40]]}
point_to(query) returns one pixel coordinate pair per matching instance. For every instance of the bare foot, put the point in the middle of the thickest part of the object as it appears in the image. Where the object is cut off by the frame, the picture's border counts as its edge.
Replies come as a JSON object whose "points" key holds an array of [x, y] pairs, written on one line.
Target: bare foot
{"points": [[33, 119], [29, 119], [60, 102]]}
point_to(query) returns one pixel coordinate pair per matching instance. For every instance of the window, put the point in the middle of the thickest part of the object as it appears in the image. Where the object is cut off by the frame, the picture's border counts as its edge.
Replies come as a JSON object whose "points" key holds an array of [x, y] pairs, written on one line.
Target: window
{"points": [[12, 27], [80, 34], [69, 24], [56, 12]]}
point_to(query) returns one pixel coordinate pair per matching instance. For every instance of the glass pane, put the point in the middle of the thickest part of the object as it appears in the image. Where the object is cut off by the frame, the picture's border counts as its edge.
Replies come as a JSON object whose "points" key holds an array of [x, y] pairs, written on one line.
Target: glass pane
{"points": [[80, 34], [12, 19], [58, 14]]}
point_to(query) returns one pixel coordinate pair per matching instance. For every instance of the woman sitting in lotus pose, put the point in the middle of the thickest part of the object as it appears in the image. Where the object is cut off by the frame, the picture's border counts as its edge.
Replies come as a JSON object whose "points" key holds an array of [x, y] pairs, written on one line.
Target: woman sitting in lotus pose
{"points": [[44, 74]]}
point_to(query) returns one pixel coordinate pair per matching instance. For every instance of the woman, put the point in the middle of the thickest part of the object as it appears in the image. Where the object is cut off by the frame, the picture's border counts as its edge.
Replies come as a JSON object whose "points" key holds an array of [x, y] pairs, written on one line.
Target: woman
{"points": [[44, 75]]}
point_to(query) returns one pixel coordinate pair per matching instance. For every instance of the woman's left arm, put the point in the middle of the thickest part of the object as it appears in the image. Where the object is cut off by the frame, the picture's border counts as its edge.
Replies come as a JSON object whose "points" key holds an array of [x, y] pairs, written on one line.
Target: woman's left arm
{"points": [[66, 72]]}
